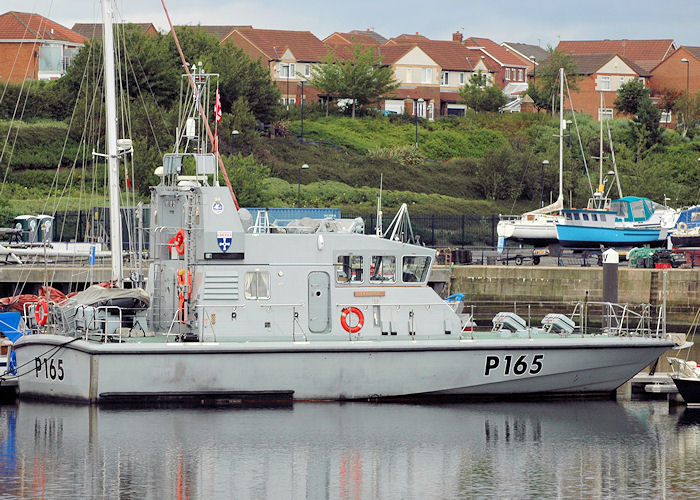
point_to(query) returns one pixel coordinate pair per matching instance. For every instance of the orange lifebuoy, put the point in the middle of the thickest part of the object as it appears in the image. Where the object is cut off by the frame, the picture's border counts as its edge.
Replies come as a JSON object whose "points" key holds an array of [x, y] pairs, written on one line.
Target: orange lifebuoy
{"points": [[177, 241], [41, 312], [344, 321]]}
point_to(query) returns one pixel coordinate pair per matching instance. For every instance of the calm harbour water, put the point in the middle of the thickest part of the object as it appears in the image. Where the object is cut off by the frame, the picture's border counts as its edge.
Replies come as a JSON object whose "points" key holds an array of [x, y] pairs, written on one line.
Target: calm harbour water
{"points": [[600, 449]]}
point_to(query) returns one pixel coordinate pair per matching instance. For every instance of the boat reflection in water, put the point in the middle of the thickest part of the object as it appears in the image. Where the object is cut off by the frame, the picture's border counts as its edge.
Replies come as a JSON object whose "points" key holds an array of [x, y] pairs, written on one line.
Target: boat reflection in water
{"points": [[591, 449]]}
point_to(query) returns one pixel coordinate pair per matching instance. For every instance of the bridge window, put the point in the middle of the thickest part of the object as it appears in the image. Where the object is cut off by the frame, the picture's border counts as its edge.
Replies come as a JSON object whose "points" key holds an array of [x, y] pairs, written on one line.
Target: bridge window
{"points": [[382, 269], [348, 269], [415, 268]]}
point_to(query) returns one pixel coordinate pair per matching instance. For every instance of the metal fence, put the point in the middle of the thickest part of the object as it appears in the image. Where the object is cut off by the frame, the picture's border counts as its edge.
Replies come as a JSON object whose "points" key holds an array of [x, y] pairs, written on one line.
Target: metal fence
{"points": [[444, 230]]}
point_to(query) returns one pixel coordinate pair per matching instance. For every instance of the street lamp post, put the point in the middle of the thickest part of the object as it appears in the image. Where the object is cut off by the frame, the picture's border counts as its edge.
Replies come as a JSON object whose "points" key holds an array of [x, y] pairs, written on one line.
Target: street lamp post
{"points": [[303, 167], [419, 101], [544, 162], [233, 137], [687, 89], [302, 111]]}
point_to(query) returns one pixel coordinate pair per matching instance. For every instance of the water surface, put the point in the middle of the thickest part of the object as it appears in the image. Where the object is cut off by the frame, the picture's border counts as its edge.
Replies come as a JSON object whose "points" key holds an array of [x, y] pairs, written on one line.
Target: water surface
{"points": [[508, 450]]}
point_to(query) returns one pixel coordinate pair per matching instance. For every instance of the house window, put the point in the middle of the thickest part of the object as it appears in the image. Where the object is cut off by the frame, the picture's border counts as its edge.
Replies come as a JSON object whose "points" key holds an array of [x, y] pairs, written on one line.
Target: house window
{"points": [[520, 75], [507, 74], [51, 58], [666, 118], [604, 83], [461, 78], [257, 285], [427, 75], [348, 269], [605, 114], [445, 78], [382, 269], [287, 70], [307, 70]]}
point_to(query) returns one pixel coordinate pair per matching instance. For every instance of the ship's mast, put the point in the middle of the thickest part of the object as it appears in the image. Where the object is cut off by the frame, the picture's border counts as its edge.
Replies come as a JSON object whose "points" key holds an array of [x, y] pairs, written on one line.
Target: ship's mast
{"points": [[111, 133]]}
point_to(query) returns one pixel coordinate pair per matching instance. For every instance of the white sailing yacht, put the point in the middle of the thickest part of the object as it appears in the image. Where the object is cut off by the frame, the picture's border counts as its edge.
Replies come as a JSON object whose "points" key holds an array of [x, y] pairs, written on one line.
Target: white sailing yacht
{"points": [[537, 227]]}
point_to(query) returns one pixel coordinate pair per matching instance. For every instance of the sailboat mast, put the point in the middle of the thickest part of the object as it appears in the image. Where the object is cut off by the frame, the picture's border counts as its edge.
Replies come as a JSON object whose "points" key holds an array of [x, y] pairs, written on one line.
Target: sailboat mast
{"points": [[111, 132], [600, 159], [562, 125]]}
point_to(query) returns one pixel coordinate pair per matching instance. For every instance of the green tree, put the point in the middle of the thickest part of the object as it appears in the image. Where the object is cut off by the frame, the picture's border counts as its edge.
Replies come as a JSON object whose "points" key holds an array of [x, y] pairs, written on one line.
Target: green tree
{"points": [[687, 110], [545, 89], [630, 96], [361, 77], [634, 100], [481, 97]]}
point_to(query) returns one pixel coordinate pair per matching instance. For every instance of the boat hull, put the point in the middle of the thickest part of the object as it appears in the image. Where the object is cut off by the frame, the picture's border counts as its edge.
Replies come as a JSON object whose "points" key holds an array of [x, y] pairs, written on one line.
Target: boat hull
{"points": [[685, 241], [586, 236], [689, 388], [539, 233], [332, 370]]}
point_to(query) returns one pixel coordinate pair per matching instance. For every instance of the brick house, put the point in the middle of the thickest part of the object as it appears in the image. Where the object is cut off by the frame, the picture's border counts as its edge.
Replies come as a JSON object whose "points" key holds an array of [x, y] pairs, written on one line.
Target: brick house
{"points": [[418, 76], [602, 74], [509, 72], [531, 55], [34, 47], [94, 30], [289, 55], [674, 73], [645, 53]]}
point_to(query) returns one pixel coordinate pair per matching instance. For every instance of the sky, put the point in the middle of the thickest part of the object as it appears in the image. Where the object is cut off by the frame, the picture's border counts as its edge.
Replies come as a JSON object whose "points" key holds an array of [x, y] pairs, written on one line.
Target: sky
{"points": [[543, 22]]}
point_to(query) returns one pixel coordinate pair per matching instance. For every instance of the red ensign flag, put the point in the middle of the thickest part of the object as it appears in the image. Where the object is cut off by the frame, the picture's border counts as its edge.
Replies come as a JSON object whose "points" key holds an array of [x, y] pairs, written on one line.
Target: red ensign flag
{"points": [[217, 107]]}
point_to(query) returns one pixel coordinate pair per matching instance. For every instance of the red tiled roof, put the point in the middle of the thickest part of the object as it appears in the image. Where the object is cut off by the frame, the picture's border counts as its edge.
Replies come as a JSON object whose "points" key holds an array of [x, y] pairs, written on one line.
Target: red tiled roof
{"points": [[370, 33], [477, 54], [497, 52], [273, 43], [645, 53], [26, 26], [449, 55], [219, 31], [408, 38], [588, 64], [694, 51], [390, 54], [94, 30], [352, 38]]}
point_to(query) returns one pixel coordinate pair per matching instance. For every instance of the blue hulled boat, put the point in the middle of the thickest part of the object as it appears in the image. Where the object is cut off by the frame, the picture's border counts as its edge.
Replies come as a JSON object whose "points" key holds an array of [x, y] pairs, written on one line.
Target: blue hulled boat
{"points": [[628, 221], [687, 231]]}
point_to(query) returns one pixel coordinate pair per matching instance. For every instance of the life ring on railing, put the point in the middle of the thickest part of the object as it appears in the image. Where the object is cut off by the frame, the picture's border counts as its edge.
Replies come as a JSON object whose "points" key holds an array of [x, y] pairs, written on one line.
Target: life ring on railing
{"points": [[177, 241], [41, 312], [344, 321], [682, 226]]}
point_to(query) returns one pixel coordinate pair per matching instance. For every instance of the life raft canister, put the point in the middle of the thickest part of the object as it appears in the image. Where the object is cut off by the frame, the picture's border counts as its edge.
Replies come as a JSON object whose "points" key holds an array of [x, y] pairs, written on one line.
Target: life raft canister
{"points": [[344, 321], [41, 312]]}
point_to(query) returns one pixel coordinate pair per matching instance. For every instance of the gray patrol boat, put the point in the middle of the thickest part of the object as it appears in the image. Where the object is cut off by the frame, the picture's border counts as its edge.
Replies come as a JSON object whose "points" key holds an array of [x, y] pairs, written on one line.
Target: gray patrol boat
{"points": [[235, 309]]}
